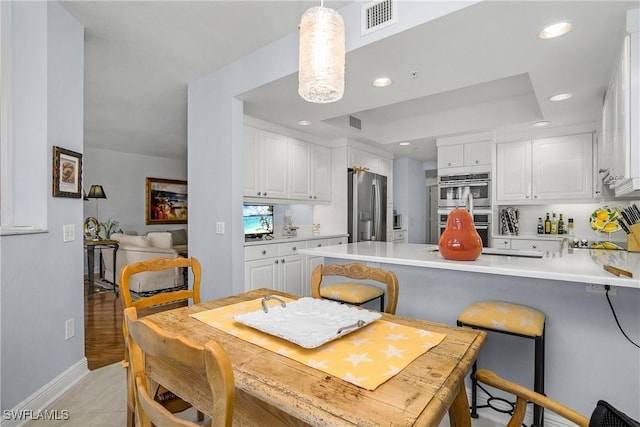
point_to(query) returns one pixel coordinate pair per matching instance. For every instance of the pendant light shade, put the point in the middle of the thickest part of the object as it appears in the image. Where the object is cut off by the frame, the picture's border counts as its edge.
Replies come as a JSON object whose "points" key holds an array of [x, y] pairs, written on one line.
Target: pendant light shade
{"points": [[322, 52]]}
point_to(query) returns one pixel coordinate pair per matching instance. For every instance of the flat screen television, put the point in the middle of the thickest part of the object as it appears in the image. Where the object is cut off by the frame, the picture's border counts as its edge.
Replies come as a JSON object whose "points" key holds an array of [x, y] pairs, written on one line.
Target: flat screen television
{"points": [[257, 220]]}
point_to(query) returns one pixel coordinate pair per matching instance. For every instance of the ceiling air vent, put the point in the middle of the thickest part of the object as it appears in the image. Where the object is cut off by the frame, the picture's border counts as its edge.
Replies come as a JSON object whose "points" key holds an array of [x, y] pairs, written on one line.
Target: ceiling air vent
{"points": [[355, 122], [377, 15]]}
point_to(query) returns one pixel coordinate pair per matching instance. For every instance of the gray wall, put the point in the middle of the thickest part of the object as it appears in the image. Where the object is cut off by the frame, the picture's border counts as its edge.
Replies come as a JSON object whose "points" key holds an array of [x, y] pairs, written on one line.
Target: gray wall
{"points": [[40, 276], [123, 177], [409, 197]]}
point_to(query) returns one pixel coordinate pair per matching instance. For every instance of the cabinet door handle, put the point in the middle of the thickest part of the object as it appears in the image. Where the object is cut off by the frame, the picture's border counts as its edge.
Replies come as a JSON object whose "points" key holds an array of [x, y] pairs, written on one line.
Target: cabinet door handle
{"points": [[526, 197], [477, 162], [264, 252], [535, 197], [259, 193], [534, 246], [277, 261], [265, 194], [310, 196], [449, 164], [283, 260], [295, 249]]}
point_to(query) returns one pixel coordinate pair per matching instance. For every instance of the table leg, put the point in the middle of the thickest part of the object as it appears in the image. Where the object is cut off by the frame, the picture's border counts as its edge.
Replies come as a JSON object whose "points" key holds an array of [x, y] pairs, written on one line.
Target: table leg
{"points": [[90, 260], [115, 285], [459, 415]]}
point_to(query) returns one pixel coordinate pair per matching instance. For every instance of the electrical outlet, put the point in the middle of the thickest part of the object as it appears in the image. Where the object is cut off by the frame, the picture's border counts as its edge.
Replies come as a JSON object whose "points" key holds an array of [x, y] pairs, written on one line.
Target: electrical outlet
{"points": [[68, 232], [219, 227], [69, 329], [599, 289]]}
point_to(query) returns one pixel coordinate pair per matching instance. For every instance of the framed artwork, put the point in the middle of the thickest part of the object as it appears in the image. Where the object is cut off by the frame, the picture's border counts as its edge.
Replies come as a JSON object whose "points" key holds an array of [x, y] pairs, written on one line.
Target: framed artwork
{"points": [[67, 173], [166, 201]]}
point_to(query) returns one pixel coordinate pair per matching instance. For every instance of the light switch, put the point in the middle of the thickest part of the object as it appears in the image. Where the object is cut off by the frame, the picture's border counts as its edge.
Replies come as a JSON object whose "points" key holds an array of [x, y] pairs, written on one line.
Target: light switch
{"points": [[219, 227], [68, 232]]}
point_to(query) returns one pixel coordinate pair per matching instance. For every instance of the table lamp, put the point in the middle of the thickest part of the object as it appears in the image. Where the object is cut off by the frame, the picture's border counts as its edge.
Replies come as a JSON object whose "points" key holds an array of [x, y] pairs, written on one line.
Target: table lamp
{"points": [[96, 192]]}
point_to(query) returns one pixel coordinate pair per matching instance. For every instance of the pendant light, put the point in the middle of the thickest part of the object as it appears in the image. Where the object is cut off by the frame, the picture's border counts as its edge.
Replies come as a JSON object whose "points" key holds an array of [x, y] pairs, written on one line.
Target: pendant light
{"points": [[322, 53]]}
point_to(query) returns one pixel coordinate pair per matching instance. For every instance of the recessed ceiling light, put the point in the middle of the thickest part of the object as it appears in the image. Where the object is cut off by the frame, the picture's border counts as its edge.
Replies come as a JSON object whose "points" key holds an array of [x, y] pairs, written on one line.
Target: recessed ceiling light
{"points": [[382, 82], [304, 122], [542, 123], [404, 144], [561, 97], [556, 30]]}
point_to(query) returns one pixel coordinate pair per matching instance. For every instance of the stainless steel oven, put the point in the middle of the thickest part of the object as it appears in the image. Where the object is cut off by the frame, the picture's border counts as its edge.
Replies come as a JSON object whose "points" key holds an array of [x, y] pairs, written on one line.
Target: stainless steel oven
{"points": [[481, 220], [453, 190]]}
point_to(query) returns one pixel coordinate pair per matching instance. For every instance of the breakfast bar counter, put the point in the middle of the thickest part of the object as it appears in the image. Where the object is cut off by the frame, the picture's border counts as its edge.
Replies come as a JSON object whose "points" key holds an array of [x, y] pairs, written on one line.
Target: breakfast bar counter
{"points": [[587, 356], [571, 265]]}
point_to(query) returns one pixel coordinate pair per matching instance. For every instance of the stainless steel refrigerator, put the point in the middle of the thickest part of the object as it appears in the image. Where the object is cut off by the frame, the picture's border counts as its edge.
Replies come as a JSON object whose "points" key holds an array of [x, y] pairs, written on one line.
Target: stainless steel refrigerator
{"points": [[367, 206]]}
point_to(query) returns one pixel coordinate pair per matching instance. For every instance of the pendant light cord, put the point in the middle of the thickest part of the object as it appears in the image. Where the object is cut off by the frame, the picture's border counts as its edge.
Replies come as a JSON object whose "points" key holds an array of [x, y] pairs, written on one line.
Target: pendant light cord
{"points": [[607, 287]]}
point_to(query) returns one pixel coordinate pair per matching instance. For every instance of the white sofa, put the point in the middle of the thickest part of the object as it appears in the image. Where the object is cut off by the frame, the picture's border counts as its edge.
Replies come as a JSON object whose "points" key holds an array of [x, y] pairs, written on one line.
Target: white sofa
{"points": [[134, 249]]}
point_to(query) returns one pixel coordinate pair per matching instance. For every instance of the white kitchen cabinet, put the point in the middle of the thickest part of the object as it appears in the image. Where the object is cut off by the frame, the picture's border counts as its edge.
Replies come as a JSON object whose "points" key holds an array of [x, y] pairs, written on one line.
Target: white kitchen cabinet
{"points": [[299, 169], [275, 266], [463, 155], [450, 156], [559, 168], [321, 173], [372, 162], [265, 164], [532, 244], [397, 236]]}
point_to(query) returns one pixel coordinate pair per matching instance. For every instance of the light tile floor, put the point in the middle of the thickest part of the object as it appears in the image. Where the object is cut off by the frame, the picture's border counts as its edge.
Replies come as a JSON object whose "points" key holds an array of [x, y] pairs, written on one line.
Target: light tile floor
{"points": [[100, 400]]}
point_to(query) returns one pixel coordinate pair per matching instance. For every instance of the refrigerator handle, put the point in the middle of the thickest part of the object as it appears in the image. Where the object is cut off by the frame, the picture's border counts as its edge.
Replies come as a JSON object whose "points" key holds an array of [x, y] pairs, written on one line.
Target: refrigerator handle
{"points": [[354, 203], [375, 208]]}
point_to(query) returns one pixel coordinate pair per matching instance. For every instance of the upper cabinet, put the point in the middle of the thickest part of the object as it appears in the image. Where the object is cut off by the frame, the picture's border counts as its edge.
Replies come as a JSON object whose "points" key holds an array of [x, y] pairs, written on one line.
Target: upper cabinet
{"points": [[558, 168], [265, 164], [619, 146], [465, 154], [279, 167], [471, 154]]}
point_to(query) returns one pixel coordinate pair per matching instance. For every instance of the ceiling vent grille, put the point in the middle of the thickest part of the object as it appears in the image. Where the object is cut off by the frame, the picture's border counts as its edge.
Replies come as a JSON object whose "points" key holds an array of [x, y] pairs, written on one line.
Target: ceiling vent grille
{"points": [[355, 122], [378, 14]]}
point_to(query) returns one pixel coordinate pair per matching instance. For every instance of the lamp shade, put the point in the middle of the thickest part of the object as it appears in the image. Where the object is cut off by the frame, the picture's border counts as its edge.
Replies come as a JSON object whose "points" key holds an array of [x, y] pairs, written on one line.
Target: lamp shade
{"points": [[96, 192], [321, 56]]}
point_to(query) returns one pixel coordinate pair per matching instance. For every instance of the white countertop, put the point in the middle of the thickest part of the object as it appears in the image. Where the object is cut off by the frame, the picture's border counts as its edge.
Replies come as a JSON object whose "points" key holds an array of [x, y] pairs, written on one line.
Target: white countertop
{"points": [[299, 237], [573, 265]]}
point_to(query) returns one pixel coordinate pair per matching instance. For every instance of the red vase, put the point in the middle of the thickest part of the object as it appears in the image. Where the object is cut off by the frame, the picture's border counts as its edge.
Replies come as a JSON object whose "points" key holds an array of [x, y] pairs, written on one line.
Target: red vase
{"points": [[460, 241]]}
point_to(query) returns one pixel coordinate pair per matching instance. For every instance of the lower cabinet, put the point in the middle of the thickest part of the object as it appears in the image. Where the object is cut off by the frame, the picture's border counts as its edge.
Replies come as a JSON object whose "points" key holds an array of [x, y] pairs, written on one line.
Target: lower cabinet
{"points": [[551, 245], [278, 266]]}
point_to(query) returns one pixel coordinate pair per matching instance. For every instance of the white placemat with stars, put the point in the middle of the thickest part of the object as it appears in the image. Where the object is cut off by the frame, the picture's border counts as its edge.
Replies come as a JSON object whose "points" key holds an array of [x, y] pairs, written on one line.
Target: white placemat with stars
{"points": [[367, 357]]}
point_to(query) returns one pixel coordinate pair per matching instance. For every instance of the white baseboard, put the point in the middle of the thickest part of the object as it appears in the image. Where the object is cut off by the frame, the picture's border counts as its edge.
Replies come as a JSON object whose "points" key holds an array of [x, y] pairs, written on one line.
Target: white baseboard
{"points": [[47, 394], [551, 419]]}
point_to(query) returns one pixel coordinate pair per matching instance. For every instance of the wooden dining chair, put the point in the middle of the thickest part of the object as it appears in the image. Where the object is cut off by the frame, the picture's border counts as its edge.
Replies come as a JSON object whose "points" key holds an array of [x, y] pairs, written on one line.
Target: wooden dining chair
{"points": [[604, 415], [165, 397], [356, 291], [183, 359]]}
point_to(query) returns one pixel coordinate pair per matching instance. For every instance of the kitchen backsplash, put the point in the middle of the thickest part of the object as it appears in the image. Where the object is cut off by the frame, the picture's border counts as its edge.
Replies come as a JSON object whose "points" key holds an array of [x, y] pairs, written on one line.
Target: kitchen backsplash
{"points": [[529, 214]]}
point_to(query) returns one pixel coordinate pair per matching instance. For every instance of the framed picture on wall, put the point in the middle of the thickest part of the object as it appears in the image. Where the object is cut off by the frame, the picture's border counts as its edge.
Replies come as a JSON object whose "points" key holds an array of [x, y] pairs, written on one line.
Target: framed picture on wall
{"points": [[166, 201], [67, 173]]}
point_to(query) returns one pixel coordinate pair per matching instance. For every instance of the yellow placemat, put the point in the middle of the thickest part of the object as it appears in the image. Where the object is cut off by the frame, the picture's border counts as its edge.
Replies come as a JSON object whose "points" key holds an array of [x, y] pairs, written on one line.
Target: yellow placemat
{"points": [[367, 357]]}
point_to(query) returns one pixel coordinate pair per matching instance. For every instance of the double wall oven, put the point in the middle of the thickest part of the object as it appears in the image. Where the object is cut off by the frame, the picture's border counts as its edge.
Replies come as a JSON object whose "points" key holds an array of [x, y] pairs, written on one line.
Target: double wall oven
{"points": [[453, 191]]}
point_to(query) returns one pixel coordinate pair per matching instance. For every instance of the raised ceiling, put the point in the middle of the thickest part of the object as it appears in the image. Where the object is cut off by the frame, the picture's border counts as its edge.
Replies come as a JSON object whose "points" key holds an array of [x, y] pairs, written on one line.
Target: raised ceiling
{"points": [[481, 68]]}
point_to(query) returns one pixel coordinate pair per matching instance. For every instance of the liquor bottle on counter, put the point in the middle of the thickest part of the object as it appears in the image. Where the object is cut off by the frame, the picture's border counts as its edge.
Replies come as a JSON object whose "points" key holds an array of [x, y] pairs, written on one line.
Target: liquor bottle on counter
{"points": [[540, 226], [547, 225], [554, 224], [570, 227], [561, 229]]}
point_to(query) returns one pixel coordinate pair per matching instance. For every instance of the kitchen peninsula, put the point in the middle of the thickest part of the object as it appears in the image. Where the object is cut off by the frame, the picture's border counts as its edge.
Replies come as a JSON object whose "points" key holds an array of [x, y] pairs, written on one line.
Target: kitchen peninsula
{"points": [[587, 357]]}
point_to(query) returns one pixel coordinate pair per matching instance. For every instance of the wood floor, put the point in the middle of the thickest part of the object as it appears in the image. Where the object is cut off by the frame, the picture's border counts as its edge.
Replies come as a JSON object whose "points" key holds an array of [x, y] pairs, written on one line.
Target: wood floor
{"points": [[103, 340]]}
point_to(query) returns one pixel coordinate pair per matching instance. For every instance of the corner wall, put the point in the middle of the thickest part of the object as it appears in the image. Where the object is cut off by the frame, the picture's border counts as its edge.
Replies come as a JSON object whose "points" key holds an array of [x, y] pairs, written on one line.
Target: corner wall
{"points": [[41, 278]]}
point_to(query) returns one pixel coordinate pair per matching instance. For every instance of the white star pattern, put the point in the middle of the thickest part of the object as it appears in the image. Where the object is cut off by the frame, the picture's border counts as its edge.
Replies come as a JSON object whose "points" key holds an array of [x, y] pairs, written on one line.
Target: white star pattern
{"points": [[422, 333], [501, 325], [392, 371], [503, 309], [398, 337], [259, 341], [526, 322], [391, 351], [284, 351], [356, 359], [475, 312], [354, 380], [322, 364], [359, 341]]}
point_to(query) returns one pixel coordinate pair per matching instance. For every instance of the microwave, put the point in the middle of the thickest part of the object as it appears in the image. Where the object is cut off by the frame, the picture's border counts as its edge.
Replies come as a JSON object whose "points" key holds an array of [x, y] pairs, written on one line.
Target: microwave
{"points": [[453, 190]]}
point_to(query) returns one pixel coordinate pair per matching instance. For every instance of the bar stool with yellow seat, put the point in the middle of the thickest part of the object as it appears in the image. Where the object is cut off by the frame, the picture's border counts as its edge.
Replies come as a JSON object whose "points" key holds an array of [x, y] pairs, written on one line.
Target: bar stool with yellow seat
{"points": [[356, 293], [512, 319]]}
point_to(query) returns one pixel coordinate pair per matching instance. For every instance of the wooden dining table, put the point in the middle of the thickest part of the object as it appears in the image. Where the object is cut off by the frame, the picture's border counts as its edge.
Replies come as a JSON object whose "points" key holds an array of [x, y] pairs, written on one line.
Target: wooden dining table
{"points": [[273, 390]]}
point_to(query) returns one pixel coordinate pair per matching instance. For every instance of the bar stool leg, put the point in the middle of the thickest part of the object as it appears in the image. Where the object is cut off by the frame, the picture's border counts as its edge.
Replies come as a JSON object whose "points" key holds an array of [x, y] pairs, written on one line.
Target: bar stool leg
{"points": [[382, 303], [538, 385], [474, 391]]}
